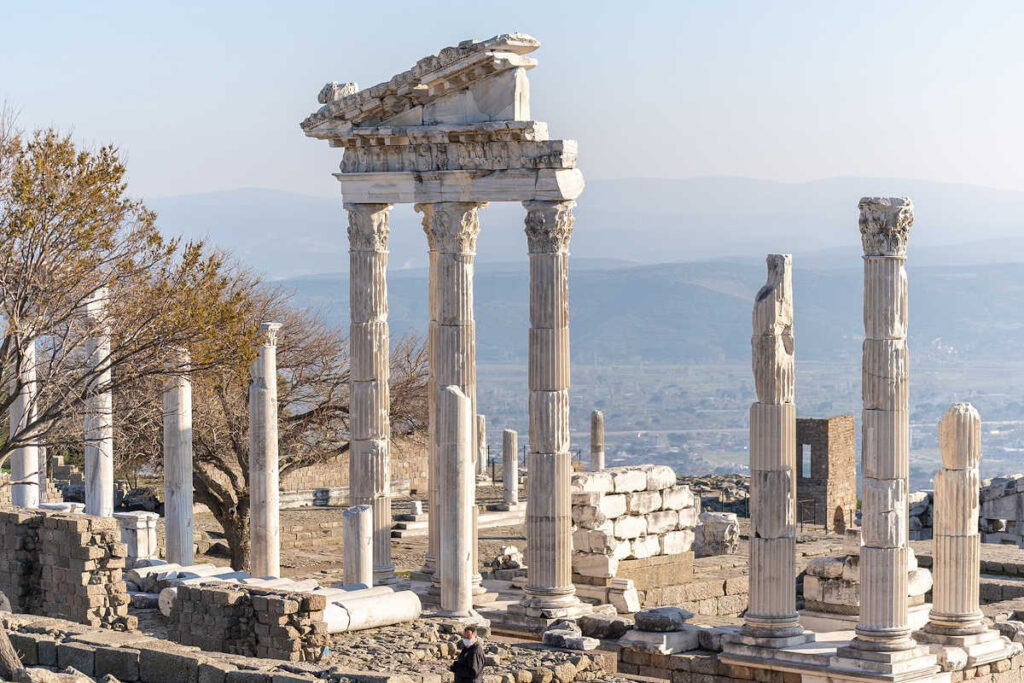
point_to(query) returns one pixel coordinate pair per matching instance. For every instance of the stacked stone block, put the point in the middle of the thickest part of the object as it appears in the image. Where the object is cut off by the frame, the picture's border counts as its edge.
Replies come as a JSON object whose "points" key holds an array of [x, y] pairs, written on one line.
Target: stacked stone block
{"points": [[67, 566], [718, 533], [252, 622], [626, 513]]}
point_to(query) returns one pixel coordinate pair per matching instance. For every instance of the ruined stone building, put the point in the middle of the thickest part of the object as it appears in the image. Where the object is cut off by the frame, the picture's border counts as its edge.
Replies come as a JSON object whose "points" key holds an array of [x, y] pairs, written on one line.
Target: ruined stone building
{"points": [[826, 465]]}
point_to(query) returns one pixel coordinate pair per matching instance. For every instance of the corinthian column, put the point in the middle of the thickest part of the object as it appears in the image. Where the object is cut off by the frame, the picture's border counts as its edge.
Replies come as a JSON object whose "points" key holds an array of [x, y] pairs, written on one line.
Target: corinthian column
{"points": [[596, 441], [549, 589], [956, 617], [451, 229], [25, 480], [772, 611], [178, 465], [369, 448], [99, 412], [264, 506]]}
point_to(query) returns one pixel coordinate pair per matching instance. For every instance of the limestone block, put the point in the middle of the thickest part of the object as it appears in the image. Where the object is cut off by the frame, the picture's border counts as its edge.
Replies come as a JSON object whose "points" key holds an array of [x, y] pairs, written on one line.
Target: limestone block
{"points": [[676, 498], [660, 477], [625, 599], [646, 546], [630, 527], [676, 542], [601, 509], [662, 522], [840, 592], [581, 540], [663, 619], [688, 518], [629, 480], [919, 582], [826, 567], [596, 482], [851, 568], [717, 534], [598, 566], [812, 587], [662, 643], [642, 502], [603, 541]]}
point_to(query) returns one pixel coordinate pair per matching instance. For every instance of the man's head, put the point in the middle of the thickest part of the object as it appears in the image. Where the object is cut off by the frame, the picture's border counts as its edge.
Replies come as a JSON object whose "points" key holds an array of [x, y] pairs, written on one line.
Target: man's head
{"points": [[469, 633]]}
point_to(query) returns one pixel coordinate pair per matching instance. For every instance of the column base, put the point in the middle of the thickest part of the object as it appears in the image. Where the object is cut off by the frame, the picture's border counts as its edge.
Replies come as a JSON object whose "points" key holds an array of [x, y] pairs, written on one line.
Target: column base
{"points": [[384, 576], [981, 647], [910, 662], [564, 606]]}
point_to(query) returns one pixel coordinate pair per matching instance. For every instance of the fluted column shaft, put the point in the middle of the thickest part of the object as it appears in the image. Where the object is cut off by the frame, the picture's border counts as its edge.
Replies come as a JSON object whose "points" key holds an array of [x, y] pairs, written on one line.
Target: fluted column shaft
{"points": [[885, 440], [548, 512], [596, 441], [264, 499], [454, 449], [25, 479], [957, 541], [772, 609], [370, 446], [99, 413], [481, 445], [510, 466], [180, 547], [451, 229]]}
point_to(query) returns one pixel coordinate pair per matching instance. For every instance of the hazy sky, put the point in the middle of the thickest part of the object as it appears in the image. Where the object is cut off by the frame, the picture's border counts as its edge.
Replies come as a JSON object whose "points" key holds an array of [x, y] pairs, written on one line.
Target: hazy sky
{"points": [[207, 96]]}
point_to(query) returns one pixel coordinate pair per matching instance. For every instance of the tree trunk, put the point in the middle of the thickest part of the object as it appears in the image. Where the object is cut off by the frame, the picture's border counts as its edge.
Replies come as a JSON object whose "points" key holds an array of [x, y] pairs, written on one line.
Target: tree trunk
{"points": [[10, 663], [236, 532]]}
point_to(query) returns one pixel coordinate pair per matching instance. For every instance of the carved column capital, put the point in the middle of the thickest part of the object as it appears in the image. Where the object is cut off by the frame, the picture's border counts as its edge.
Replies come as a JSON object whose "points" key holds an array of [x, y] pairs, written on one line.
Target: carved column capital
{"points": [[368, 226], [268, 334], [451, 227], [549, 225], [885, 225]]}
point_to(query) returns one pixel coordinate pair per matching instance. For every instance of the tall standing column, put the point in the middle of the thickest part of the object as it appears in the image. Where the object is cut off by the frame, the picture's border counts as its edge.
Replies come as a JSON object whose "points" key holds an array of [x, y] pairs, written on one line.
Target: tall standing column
{"points": [[25, 479], [956, 619], [370, 446], [454, 447], [264, 503], [596, 441], [99, 412], [510, 467], [180, 542], [549, 590], [481, 445], [451, 229], [885, 440], [772, 614]]}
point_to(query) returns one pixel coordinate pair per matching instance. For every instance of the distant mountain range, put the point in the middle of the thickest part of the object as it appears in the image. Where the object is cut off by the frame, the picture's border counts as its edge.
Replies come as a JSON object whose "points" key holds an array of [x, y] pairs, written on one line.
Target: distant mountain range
{"points": [[643, 221]]}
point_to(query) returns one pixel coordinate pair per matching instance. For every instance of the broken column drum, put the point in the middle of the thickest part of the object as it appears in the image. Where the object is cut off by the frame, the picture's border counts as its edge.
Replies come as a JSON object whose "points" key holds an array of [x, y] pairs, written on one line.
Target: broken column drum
{"points": [[549, 588], [99, 411], [451, 134], [26, 484], [180, 544], [451, 229], [772, 610], [358, 542], [264, 506], [454, 443], [370, 445], [510, 467], [481, 445], [882, 625], [596, 441]]}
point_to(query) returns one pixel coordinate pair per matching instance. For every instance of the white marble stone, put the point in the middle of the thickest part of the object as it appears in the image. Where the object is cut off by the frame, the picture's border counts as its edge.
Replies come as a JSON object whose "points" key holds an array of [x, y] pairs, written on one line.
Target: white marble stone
{"points": [[138, 533], [264, 509], [177, 453], [358, 546], [26, 482], [510, 467], [596, 441], [99, 412], [454, 452]]}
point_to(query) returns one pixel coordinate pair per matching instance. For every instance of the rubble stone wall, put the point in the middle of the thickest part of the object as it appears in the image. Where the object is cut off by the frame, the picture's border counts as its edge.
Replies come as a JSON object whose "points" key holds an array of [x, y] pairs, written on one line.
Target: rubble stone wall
{"points": [[253, 622], [67, 566], [625, 513], [832, 484]]}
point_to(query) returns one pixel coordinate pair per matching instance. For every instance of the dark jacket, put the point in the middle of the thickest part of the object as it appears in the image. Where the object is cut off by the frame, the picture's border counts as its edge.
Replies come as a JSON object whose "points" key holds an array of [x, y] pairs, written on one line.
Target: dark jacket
{"points": [[469, 665]]}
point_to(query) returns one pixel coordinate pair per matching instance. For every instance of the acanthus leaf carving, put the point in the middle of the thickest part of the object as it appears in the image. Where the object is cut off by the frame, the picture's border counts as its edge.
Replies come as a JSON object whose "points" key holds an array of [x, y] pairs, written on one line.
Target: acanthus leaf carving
{"points": [[368, 226], [549, 226], [885, 225], [451, 227]]}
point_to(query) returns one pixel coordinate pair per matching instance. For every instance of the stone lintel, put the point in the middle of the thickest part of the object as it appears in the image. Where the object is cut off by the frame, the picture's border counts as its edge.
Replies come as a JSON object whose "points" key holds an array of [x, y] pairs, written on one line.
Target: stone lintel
{"points": [[515, 185]]}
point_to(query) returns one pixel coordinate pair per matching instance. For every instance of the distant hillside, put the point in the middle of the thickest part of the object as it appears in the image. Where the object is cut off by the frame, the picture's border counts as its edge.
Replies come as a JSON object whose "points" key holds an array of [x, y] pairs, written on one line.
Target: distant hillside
{"points": [[637, 220], [700, 312]]}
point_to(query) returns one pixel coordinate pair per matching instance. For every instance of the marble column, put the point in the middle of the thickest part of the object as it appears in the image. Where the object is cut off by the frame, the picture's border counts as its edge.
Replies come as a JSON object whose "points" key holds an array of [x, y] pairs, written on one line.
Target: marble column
{"points": [[357, 540], [369, 448], [454, 452], [264, 503], [956, 619], [481, 445], [596, 441], [882, 626], [180, 544], [771, 614], [549, 589], [25, 480], [451, 229], [99, 412], [510, 467]]}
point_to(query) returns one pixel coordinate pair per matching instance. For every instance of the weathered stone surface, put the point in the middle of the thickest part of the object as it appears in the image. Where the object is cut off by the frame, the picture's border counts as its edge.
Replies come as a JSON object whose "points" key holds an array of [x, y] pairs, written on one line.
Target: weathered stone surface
{"points": [[662, 619]]}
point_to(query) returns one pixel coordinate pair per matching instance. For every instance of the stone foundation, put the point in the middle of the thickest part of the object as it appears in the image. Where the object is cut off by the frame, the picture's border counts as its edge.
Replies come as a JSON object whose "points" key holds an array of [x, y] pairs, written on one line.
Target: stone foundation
{"points": [[67, 566], [252, 622]]}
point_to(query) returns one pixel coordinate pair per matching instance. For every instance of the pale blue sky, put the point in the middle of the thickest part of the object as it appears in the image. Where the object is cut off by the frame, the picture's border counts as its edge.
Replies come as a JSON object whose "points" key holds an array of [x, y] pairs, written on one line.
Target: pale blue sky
{"points": [[206, 96]]}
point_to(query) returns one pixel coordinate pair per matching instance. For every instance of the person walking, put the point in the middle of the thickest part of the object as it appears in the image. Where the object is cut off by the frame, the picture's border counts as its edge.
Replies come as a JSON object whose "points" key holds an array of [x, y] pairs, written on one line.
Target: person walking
{"points": [[469, 665]]}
